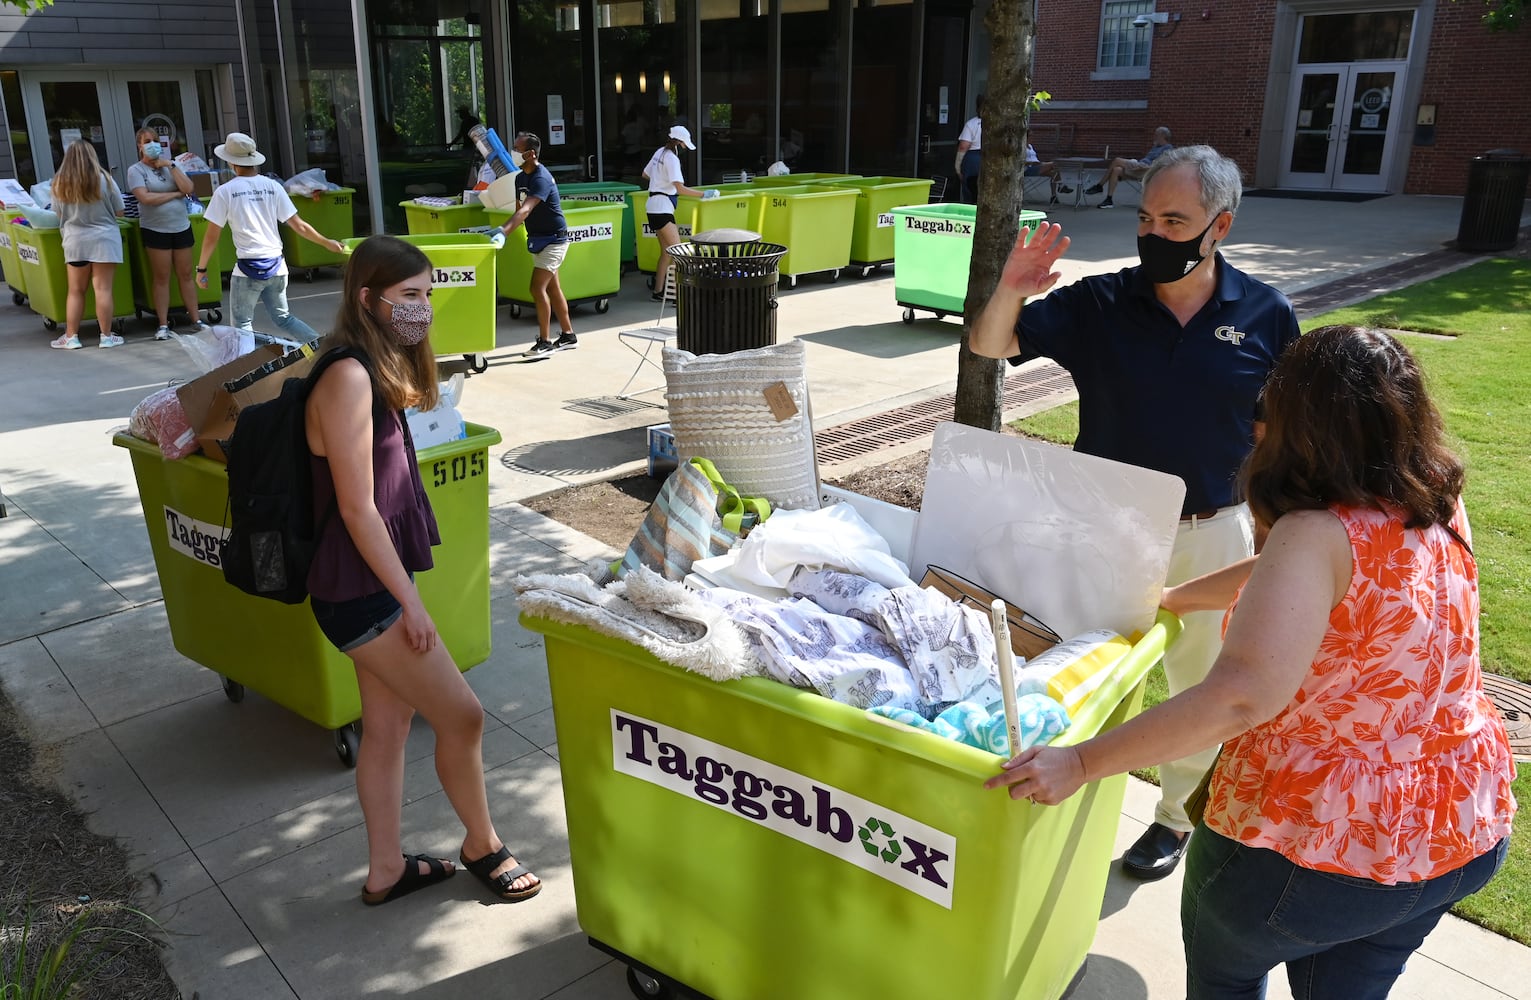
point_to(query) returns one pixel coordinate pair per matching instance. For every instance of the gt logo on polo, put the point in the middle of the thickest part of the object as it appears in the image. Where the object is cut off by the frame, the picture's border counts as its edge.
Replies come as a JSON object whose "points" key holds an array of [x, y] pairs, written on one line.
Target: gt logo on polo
{"points": [[1229, 334], [870, 836]]}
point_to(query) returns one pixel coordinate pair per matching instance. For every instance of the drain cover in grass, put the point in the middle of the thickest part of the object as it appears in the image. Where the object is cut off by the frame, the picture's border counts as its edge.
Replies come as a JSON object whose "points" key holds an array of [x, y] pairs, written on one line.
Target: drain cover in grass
{"points": [[1513, 699]]}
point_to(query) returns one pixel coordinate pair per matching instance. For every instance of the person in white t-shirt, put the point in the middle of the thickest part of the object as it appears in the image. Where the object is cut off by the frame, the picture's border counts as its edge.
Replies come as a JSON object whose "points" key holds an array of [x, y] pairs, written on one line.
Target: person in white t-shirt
{"points": [[666, 180], [969, 143], [254, 208]]}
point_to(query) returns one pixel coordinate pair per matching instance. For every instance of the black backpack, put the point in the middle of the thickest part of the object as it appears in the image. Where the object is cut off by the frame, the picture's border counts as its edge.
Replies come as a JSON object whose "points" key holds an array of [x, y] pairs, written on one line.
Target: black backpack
{"points": [[272, 532]]}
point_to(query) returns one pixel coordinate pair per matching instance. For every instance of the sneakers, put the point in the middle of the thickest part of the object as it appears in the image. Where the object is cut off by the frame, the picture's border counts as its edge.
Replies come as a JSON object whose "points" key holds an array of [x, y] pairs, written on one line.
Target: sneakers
{"points": [[541, 347], [1065, 189], [1054, 200], [66, 342], [110, 340], [1108, 203], [567, 342], [163, 333], [1095, 189]]}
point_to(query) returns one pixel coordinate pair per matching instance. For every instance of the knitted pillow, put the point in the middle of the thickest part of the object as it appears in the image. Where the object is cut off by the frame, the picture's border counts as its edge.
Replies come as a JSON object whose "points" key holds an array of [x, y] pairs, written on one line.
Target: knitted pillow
{"points": [[748, 412]]}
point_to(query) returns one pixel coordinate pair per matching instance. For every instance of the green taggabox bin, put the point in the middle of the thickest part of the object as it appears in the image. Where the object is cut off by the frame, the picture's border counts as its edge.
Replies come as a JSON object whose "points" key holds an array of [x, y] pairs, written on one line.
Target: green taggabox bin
{"points": [[746, 839], [613, 192], [932, 248], [277, 649], [592, 266], [434, 219], [462, 293], [143, 275], [792, 180], [877, 197], [40, 253], [330, 213], [15, 277], [813, 222]]}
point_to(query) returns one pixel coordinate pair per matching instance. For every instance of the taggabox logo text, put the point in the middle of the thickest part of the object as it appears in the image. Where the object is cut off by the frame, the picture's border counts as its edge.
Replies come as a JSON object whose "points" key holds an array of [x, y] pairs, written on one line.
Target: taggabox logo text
{"points": [[888, 844]]}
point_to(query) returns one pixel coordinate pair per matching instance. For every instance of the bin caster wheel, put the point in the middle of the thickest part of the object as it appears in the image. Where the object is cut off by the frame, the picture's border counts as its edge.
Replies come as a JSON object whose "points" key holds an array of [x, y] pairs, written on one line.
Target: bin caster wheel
{"points": [[909, 316], [650, 282], [347, 742], [217, 315], [646, 986], [308, 276], [866, 272], [18, 298], [791, 281], [477, 363], [834, 276], [119, 326], [233, 690], [940, 314], [138, 314], [50, 324], [515, 310], [601, 305]]}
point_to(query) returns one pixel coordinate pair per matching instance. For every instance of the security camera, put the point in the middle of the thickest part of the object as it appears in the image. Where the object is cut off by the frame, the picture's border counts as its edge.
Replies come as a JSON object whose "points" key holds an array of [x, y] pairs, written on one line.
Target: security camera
{"points": [[1157, 17]]}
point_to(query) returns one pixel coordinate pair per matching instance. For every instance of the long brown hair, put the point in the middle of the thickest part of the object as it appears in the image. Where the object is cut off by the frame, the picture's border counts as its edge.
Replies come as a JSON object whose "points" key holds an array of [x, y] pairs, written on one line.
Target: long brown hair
{"points": [[404, 376], [1348, 422], [79, 177]]}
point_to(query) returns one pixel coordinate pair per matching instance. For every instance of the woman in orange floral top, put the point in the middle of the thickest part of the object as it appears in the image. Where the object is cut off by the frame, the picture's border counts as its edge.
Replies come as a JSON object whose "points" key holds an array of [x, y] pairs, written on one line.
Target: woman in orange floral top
{"points": [[1364, 782]]}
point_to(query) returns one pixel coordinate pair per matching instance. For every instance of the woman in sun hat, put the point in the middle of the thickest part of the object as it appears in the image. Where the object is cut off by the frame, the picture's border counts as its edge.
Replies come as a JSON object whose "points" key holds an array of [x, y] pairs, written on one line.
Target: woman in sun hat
{"points": [[666, 181]]}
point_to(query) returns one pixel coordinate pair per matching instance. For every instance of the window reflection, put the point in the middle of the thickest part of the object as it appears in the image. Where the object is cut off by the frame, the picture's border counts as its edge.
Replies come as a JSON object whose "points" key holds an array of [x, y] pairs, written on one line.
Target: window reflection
{"points": [[736, 89], [812, 88], [643, 82]]}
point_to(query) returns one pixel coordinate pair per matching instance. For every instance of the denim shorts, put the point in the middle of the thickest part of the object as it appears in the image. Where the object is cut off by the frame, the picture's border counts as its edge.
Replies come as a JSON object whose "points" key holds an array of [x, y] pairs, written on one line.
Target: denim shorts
{"points": [[353, 623]]}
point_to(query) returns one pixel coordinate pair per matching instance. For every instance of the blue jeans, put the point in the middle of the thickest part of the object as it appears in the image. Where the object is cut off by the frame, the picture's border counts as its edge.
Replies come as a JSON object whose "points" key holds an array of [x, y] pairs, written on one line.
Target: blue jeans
{"points": [[1245, 910], [245, 291]]}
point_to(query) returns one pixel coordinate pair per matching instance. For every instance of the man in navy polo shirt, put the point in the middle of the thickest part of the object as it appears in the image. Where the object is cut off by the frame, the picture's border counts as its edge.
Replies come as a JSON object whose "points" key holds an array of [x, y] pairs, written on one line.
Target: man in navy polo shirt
{"points": [[547, 239], [1169, 358]]}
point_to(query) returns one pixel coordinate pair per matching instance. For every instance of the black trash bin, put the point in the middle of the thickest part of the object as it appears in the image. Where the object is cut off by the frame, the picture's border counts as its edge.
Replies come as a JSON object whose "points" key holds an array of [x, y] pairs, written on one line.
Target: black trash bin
{"points": [[1496, 194], [725, 291]]}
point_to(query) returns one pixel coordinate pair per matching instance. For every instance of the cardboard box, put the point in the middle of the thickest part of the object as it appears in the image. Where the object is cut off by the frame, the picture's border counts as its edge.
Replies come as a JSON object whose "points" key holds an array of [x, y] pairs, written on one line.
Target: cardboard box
{"points": [[202, 184], [212, 406]]}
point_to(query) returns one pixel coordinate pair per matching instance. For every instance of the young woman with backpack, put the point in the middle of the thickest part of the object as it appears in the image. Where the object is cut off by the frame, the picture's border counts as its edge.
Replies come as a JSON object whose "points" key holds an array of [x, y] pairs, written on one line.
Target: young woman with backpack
{"points": [[361, 580]]}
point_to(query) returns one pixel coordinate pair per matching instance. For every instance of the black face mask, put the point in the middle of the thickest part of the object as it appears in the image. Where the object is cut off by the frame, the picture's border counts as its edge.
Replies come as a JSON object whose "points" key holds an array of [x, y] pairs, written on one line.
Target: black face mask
{"points": [[1165, 261]]}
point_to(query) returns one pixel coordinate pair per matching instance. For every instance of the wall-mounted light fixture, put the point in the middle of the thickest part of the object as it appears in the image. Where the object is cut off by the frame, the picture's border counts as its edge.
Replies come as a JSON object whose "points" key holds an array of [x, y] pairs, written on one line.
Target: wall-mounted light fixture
{"points": [[1157, 18], [667, 81], [619, 83], [643, 82]]}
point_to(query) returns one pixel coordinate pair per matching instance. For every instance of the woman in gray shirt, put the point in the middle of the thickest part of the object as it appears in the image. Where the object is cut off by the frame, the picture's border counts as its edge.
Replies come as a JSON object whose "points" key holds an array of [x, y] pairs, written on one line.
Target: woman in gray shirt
{"points": [[162, 189], [88, 202]]}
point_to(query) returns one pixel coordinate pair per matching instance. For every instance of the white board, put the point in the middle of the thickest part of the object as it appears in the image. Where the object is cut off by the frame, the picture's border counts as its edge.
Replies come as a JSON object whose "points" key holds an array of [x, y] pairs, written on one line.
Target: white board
{"points": [[1081, 542]]}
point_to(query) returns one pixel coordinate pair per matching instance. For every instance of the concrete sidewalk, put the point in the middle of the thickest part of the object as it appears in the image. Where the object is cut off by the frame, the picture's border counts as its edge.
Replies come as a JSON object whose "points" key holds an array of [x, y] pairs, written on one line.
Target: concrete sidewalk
{"points": [[242, 821]]}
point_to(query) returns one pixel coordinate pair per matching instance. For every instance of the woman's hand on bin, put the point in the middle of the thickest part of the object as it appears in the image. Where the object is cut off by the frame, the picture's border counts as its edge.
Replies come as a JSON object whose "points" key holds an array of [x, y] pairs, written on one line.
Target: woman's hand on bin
{"points": [[1045, 775]]}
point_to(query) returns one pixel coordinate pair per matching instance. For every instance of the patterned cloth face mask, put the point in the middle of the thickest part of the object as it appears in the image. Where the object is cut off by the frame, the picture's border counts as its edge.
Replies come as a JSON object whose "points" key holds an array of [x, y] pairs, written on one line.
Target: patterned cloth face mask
{"points": [[411, 321]]}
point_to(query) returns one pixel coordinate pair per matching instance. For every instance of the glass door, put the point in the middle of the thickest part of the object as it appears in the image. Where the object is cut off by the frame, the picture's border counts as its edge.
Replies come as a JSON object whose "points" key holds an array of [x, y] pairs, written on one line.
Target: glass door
{"points": [[644, 83], [882, 95], [548, 81], [943, 101], [1311, 131], [105, 108], [1367, 128], [1341, 127]]}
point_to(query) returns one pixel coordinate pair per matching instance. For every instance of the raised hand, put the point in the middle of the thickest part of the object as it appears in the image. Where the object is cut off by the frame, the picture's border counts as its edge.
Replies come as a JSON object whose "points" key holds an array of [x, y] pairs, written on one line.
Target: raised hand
{"points": [[1029, 268]]}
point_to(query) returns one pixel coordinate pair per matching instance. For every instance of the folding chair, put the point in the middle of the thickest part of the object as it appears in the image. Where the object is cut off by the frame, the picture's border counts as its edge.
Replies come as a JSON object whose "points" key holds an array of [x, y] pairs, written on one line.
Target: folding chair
{"points": [[652, 339], [937, 188]]}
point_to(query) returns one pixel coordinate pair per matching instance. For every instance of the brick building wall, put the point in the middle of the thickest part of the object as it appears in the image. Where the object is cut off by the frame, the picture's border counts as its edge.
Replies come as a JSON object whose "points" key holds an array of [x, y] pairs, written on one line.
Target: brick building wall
{"points": [[1480, 84], [1208, 80]]}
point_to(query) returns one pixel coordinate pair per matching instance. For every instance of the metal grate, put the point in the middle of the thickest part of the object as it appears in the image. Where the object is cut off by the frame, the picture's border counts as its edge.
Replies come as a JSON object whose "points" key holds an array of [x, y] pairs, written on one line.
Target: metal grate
{"points": [[1513, 699], [1031, 391]]}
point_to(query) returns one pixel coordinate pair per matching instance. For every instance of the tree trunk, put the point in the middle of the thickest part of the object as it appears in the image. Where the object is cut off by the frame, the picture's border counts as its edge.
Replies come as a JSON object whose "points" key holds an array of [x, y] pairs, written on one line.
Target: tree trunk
{"points": [[1011, 26]]}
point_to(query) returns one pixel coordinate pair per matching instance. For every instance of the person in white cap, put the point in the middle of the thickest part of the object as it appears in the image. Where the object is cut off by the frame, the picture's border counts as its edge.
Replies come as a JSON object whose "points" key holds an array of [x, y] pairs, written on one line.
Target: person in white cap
{"points": [[666, 181], [254, 207]]}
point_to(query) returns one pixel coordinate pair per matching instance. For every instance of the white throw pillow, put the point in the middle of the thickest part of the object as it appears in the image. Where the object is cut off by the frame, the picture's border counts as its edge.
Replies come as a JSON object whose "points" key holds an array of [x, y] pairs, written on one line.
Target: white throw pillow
{"points": [[720, 409]]}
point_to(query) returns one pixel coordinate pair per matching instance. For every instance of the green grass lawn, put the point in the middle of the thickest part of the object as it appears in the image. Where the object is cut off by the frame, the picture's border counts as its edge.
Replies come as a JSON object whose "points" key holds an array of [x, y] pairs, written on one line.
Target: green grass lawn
{"points": [[1481, 381]]}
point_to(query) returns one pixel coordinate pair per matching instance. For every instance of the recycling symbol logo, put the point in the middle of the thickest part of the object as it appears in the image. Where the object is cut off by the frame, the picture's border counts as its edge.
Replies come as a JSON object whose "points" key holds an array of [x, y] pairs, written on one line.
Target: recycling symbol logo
{"points": [[889, 849]]}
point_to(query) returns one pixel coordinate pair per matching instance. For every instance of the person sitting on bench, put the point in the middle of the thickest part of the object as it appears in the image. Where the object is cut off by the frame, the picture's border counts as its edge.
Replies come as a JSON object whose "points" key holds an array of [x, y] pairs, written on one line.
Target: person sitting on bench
{"points": [[1130, 169]]}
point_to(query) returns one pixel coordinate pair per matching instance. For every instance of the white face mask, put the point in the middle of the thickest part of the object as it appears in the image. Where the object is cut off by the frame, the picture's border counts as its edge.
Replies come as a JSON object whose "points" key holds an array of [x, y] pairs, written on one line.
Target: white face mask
{"points": [[517, 158]]}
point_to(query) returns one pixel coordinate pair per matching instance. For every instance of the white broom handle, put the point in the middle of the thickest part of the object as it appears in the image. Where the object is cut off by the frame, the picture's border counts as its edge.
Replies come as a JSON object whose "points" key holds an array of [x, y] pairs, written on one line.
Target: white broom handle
{"points": [[1006, 672]]}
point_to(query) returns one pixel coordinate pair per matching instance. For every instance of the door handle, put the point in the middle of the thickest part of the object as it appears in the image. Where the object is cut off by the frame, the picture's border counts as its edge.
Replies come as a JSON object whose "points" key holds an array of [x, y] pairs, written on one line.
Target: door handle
{"points": [[924, 144], [1329, 133], [590, 166]]}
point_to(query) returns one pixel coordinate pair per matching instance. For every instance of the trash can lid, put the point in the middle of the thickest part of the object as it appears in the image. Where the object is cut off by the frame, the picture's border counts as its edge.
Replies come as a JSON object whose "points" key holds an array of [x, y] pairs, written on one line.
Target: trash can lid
{"points": [[723, 236]]}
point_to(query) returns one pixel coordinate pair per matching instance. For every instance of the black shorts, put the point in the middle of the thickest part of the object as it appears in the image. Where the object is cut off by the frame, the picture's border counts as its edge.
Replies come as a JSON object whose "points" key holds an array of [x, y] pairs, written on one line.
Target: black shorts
{"points": [[182, 240], [353, 623], [658, 222]]}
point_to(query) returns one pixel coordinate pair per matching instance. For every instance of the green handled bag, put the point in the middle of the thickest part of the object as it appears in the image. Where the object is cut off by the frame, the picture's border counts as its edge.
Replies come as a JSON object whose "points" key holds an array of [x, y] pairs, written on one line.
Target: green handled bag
{"points": [[696, 515]]}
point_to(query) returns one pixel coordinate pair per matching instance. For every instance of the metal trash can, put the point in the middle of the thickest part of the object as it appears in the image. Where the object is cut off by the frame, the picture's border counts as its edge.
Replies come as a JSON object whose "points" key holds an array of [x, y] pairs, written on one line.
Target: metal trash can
{"points": [[725, 291], [1496, 195]]}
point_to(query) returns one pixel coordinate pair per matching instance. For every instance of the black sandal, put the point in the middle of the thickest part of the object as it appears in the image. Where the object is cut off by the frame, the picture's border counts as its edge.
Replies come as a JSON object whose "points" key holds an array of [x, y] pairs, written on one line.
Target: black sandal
{"points": [[436, 871], [500, 884]]}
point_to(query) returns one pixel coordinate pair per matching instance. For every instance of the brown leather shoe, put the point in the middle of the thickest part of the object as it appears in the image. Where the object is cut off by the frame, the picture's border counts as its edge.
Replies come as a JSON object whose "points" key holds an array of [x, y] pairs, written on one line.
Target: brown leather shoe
{"points": [[1155, 854]]}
